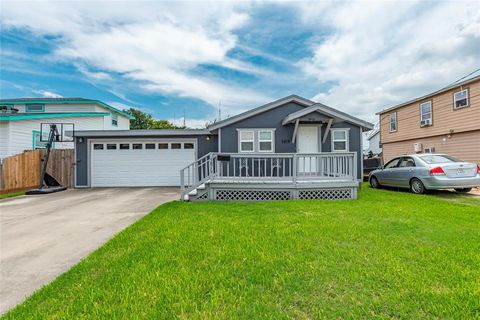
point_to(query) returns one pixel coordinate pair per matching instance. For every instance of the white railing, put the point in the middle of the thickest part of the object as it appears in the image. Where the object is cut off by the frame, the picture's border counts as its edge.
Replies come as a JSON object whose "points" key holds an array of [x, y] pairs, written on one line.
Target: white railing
{"points": [[276, 166]]}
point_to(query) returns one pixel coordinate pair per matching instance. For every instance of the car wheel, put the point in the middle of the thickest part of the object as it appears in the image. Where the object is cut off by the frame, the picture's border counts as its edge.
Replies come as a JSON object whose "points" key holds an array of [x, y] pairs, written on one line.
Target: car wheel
{"points": [[374, 182], [463, 190], [417, 187]]}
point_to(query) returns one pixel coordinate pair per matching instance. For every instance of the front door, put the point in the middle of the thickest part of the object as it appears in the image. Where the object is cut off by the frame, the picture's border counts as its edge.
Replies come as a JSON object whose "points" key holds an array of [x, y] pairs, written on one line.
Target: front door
{"points": [[307, 143]]}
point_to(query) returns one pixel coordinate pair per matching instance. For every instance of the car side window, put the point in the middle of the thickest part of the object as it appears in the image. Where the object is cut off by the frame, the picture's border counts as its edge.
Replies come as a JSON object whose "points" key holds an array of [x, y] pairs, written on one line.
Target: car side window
{"points": [[392, 163], [406, 162]]}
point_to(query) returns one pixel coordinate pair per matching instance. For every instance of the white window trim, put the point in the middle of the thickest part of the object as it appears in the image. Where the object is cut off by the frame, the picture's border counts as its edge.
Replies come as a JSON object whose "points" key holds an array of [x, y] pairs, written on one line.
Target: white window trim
{"points": [[271, 140], [256, 140], [246, 140], [455, 100], [390, 122], [430, 112], [347, 139]]}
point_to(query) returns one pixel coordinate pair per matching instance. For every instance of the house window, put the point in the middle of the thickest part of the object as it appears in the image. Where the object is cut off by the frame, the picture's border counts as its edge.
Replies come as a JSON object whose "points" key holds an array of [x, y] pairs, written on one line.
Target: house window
{"points": [[34, 108], [265, 141], [114, 119], [460, 99], [339, 140], [247, 139], [393, 122], [426, 114]]}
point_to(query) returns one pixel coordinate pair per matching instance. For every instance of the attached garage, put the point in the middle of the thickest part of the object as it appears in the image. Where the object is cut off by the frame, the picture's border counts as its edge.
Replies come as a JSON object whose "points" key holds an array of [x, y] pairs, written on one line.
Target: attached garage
{"points": [[138, 158], [139, 163]]}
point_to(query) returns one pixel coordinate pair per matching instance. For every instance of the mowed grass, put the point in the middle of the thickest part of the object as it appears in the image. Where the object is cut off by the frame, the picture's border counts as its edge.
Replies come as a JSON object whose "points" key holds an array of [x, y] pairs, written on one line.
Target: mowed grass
{"points": [[387, 255], [12, 194]]}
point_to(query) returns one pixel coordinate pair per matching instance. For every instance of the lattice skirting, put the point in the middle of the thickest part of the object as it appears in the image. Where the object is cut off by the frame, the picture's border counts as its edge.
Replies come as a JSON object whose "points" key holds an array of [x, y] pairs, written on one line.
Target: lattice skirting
{"points": [[266, 195], [252, 195], [325, 194]]}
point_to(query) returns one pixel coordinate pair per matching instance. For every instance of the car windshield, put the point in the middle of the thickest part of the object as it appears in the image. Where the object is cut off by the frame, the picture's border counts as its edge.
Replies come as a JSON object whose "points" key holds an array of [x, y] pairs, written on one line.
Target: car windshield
{"points": [[436, 158]]}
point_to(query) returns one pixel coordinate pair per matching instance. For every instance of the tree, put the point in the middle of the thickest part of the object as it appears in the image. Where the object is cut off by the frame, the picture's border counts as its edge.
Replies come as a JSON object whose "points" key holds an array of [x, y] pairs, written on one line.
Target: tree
{"points": [[145, 121]]}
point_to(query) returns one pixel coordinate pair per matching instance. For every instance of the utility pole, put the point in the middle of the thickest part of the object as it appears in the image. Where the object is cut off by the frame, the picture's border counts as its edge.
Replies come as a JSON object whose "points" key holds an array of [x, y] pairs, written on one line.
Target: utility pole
{"points": [[219, 110], [184, 118]]}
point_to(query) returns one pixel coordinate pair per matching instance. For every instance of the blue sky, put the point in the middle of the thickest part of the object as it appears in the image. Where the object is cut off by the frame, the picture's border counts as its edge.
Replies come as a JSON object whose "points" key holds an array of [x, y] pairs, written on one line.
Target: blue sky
{"points": [[168, 58]]}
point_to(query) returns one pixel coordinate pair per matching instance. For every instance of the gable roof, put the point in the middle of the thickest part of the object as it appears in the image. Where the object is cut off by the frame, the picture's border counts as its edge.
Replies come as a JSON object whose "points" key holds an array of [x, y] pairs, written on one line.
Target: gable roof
{"points": [[447, 88], [64, 101], [311, 106], [331, 112]]}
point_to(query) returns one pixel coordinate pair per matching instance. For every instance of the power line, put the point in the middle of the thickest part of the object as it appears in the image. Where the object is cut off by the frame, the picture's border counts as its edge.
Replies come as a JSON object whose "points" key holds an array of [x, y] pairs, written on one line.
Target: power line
{"points": [[451, 84]]}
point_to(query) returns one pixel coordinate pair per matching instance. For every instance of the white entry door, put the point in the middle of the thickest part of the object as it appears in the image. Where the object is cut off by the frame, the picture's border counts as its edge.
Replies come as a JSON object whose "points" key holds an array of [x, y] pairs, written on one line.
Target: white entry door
{"points": [[137, 163], [307, 142]]}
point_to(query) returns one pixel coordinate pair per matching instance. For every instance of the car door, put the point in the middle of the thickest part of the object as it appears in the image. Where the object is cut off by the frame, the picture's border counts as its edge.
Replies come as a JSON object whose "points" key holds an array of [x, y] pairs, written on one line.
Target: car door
{"points": [[385, 176], [403, 172]]}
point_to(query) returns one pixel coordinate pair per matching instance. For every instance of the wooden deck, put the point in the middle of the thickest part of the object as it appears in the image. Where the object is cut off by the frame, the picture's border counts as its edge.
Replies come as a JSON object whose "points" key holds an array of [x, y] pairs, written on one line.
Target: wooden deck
{"points": [[254, 177]]}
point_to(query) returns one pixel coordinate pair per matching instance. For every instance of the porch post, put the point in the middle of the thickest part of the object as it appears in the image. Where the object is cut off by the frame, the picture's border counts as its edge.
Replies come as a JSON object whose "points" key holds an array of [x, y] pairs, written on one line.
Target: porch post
{"points": [[295, 130]]}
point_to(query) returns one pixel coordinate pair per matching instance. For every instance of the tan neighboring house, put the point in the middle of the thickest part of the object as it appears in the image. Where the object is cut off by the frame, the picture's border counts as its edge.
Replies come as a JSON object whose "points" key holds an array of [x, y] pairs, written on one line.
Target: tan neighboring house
{"points": [[445, 121]]}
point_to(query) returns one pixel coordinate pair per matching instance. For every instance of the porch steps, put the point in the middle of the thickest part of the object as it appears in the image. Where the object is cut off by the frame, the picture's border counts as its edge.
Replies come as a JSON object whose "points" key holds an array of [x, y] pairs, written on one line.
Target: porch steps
{"points": [[195, 193]]}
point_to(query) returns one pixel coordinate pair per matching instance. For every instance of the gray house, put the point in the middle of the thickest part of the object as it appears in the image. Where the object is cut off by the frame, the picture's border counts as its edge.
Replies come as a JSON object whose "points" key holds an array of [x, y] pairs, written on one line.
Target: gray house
{"points": [[291, 148]]}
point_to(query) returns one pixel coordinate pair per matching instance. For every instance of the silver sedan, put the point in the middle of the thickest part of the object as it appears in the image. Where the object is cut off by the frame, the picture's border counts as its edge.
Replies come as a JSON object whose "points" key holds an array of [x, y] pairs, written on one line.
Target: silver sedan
{"points": [[422, 172]]}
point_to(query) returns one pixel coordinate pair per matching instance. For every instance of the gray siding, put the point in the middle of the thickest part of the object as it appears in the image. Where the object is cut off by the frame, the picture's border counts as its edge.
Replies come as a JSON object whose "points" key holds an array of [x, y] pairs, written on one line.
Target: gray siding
{"points": [[269, 119], [283, 134], [81, 162]]}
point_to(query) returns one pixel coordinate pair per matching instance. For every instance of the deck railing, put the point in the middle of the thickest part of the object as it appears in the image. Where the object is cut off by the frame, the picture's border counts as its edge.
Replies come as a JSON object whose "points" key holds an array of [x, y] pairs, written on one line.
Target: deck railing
{"points": [[268, 167]]}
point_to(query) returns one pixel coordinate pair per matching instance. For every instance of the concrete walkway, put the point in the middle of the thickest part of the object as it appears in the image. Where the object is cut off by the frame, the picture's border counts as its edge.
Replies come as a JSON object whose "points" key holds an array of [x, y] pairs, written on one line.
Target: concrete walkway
{"points": [[44, 236]]}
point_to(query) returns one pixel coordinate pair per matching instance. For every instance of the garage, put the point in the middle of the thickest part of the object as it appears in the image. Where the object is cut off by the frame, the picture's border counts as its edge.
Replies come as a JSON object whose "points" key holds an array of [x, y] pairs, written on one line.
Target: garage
{"points": [[139, 163]]}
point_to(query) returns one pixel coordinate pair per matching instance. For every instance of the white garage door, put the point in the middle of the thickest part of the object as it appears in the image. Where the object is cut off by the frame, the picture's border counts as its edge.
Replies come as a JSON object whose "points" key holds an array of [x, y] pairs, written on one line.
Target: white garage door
{"points": [[139, 163]]}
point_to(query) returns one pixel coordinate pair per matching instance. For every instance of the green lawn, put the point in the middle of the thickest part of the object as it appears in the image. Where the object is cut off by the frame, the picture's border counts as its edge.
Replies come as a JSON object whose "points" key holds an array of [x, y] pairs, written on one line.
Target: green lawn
{"points": [[12, 194], [387, 255]]}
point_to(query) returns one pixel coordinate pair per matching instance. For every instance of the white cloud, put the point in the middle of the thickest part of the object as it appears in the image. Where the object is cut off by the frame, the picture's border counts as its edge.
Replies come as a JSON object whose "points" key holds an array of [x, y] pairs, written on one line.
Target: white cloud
{"points": [[48, 94], [155, 45], [383, 53]]}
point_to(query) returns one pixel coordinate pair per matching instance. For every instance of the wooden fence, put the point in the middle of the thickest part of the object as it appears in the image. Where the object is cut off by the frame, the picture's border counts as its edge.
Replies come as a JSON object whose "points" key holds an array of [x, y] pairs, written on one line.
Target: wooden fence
{"points": [[22, 171]]}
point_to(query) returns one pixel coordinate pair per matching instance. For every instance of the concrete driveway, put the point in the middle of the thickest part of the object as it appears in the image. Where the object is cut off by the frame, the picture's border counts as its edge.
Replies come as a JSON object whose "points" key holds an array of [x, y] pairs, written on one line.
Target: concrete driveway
{"points": [[45, 235]]}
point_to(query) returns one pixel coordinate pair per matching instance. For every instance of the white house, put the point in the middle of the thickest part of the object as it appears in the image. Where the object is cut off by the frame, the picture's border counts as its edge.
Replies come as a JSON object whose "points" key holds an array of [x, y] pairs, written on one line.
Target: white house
{"points": [[20, 120], [374, 142]]}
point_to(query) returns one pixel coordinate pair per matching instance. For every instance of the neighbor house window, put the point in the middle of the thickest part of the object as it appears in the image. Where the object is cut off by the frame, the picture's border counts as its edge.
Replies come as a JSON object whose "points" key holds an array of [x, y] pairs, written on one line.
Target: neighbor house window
{"points": [[339, 140], [460, 99], [114, 119], [265, 141], [393, 122], [426, 114], [247, 140], [34, 108]]}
